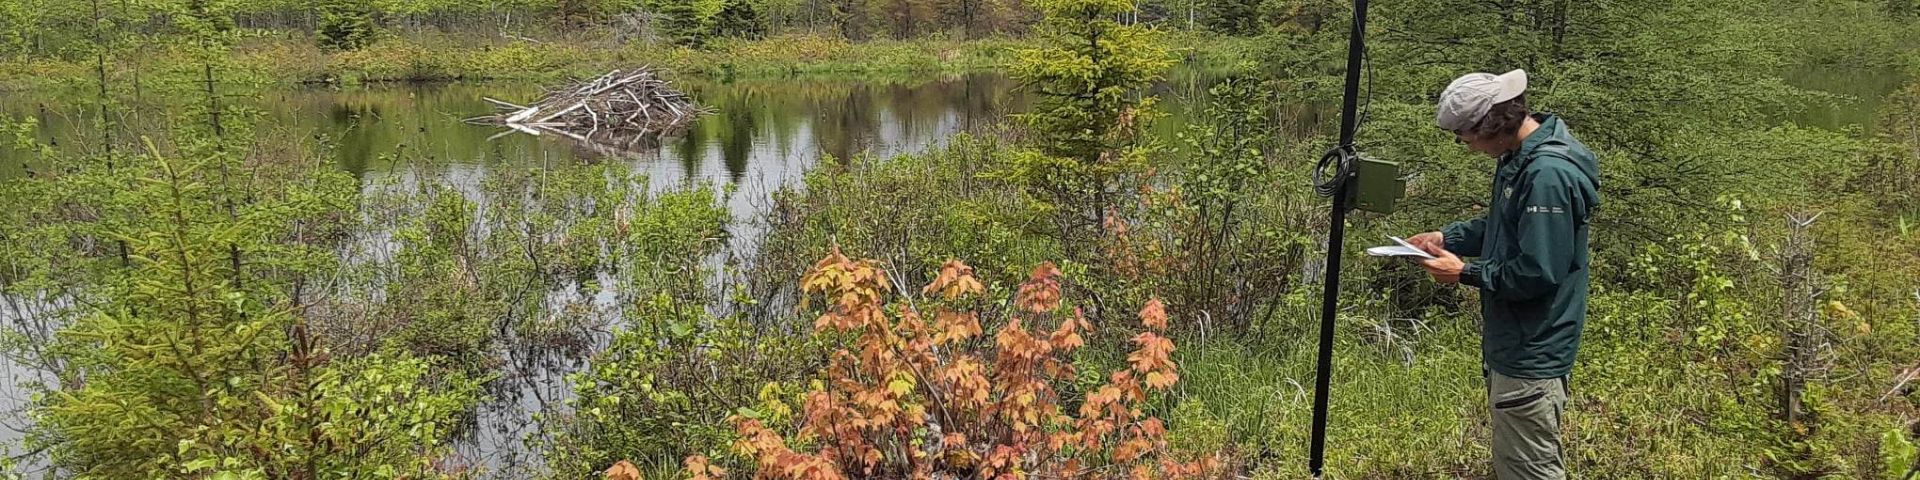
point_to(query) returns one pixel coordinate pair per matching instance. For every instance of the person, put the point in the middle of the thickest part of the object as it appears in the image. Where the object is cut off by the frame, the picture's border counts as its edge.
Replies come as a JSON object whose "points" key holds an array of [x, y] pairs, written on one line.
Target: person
{"points": [[1530, 262]]}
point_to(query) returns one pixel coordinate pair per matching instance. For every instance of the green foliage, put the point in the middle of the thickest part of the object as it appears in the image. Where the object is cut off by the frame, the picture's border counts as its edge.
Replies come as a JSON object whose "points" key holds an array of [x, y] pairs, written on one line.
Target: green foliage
{"points": [[1088, 160], [665, 386], [177, 354], [1899, 454], [692, 23], [1196, 431], [1234, 17], [192, 356], [183, 367], [1224, 243], [377, 416], [434, 59], [469, 271], [674, 370], [428, 56], [1878, 35], [346, 24], [1085, 76], [15, 19], [912, 210], [450, 309], [1383, 422], [193, 363], [739, 19], [689, 22], [1895, 177]]}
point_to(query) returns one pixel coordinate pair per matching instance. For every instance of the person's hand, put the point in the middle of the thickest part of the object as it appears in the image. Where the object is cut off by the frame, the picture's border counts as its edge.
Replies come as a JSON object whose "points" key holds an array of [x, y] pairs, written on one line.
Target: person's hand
{"points": [[1432, 242], [1445, 267]]}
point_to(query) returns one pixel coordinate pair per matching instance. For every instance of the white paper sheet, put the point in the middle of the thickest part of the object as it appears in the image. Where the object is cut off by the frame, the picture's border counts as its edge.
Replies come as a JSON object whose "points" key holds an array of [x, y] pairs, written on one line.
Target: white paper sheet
{"points": [[1400, 249]]}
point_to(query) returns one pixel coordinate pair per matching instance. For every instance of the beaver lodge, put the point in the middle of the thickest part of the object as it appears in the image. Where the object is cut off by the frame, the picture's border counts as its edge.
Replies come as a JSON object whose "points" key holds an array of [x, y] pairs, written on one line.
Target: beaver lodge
{"points": [[626, 110]]}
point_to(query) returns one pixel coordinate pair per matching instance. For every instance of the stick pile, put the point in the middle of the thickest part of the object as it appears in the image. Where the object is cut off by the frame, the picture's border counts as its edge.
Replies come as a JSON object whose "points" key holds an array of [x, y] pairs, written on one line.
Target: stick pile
{"points": [[620, 103]]}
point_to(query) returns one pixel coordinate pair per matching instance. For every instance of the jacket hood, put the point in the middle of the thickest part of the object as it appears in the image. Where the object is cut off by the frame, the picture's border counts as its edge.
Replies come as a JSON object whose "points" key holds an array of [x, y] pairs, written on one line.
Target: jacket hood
{"points": [[1554, 131]]}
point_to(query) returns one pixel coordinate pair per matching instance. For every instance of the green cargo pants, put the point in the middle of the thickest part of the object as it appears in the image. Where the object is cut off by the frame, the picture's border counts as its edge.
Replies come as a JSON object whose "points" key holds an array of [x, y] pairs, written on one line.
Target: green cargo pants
{"points": [[1526, 426]]}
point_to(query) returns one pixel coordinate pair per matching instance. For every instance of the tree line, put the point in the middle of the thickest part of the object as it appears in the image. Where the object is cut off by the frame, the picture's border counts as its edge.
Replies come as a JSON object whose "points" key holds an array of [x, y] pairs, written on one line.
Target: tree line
{"points": [[62, 28]]}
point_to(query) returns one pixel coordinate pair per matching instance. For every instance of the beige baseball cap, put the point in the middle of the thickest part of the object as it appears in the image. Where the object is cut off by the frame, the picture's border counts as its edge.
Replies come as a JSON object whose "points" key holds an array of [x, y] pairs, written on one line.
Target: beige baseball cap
{"points": [[1469, 97]]}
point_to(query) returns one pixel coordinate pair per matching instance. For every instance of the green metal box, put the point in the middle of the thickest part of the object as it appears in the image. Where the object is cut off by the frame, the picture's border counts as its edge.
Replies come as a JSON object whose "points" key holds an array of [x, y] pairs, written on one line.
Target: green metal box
{"points": [[1377, 185]]}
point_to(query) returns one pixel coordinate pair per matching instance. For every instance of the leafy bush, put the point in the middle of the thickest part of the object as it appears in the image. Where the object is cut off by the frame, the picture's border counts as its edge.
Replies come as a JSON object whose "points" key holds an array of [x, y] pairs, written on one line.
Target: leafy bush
{"points": [[674, 369], [918, 397], [1218, 239], [667, 383], [909, 209]]}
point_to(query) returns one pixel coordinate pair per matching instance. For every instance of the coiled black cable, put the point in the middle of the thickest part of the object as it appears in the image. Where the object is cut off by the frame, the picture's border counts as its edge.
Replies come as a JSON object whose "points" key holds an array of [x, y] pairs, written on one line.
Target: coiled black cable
{"points": [[1341, 159]]}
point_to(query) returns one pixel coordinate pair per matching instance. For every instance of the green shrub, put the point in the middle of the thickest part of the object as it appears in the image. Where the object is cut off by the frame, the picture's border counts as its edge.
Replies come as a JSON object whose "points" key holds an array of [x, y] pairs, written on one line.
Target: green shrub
{"points": [[674, 371], [914, 211]]}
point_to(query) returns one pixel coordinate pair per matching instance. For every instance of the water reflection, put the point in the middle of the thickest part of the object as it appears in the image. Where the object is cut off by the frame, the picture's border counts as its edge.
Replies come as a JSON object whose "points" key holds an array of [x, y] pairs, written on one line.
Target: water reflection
{"points": [[764, 135]]}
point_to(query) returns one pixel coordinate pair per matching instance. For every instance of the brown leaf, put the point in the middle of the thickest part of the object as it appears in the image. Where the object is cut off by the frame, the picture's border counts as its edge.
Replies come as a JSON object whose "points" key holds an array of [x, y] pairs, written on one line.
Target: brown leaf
{"points": [[1154, 315], [623, 470]]}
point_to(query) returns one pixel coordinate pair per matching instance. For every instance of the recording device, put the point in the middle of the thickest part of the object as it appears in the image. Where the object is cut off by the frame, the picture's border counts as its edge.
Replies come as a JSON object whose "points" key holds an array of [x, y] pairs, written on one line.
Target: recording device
{"points": [[1377, 185]]}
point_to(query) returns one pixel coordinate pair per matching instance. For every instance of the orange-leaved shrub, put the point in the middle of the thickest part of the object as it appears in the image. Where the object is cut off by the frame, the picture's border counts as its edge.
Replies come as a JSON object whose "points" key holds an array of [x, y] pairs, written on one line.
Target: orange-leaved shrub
{"points": [[921, 392]]}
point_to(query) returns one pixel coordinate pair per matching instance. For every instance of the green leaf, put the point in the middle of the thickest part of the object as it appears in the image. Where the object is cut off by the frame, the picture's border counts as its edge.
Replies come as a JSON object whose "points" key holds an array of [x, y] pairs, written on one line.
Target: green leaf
{"points": [[1899, 455]]}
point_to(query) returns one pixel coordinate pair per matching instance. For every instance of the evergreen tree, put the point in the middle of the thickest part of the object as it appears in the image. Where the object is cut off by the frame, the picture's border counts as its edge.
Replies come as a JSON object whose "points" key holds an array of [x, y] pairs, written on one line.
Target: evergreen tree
{"points": [[1087, 120], [688, 22], [180, 371], [346, 24], [740, 19], [1233, 17]]}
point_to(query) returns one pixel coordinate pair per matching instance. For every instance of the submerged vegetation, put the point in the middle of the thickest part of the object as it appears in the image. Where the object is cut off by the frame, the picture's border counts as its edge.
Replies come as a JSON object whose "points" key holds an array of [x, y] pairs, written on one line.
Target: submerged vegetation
{"points": [[1082, 289]]}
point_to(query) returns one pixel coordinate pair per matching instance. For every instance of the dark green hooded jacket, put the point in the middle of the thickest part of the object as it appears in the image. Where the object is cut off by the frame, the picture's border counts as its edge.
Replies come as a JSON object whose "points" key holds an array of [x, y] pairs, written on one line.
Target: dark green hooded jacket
{"points": [[1532, 253]]}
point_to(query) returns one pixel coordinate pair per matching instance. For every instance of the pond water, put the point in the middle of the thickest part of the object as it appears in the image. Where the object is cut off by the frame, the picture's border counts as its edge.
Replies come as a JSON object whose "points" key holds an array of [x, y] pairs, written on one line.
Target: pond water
{"points": [[765, 134], [1861, 93]]}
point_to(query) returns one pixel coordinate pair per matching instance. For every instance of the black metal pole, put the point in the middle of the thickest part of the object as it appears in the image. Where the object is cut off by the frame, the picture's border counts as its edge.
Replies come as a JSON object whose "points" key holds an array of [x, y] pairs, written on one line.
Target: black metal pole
{"points": [[1330, 298]]}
